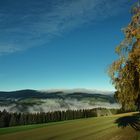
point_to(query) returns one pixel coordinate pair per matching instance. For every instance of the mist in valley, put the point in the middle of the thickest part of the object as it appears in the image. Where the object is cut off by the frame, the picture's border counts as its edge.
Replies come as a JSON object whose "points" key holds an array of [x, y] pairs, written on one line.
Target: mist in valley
{"points": [[50, 105]]}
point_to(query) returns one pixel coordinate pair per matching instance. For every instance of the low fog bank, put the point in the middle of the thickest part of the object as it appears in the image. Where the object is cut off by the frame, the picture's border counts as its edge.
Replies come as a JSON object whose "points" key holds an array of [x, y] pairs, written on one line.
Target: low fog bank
{"points": [[49, 105]]}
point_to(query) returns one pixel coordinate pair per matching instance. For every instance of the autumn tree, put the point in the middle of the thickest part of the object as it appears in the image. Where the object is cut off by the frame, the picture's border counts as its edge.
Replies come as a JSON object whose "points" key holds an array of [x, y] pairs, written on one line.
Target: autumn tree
{"points": [[125, 72]]}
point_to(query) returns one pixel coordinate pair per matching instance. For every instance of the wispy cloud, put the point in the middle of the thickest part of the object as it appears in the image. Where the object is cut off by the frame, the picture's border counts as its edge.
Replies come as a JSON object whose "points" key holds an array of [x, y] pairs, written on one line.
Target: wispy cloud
{"points": [[25, 24]]}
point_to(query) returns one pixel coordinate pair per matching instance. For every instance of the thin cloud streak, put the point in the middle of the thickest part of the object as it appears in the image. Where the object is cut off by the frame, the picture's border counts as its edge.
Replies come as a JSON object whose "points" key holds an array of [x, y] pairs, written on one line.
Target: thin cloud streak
{"points": [[35, 23]]}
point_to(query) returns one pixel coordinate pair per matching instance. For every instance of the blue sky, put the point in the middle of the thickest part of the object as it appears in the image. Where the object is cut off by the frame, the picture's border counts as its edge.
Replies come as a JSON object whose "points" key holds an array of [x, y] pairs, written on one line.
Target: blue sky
{"points": [[52, 44]]}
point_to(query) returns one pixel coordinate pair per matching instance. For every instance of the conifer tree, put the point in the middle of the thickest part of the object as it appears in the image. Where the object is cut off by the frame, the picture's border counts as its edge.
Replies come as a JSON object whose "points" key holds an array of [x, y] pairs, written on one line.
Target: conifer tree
{"points": [[13, 121]]}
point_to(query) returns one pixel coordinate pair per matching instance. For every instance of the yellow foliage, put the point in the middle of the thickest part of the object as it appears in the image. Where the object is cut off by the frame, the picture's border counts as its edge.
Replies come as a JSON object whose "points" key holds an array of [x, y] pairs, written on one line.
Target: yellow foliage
{"points": [[125, 72]]}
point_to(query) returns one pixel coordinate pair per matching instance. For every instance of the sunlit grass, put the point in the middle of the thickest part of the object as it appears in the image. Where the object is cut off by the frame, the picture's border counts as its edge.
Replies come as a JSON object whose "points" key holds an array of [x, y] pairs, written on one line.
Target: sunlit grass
{"points": [[100, 128]]}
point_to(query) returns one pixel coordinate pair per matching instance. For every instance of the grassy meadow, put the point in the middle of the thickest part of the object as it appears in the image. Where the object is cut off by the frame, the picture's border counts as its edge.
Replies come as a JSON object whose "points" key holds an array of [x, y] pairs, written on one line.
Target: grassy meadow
{"points": [[116, 127]]}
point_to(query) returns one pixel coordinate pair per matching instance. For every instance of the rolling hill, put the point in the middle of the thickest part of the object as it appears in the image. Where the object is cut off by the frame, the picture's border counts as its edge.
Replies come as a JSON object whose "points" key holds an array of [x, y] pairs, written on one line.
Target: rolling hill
{"points": [[38, 101]]}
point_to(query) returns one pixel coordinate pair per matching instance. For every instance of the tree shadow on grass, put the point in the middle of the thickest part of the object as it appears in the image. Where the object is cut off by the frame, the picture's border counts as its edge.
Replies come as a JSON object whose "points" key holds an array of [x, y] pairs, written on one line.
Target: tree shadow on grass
{"points": [[133, 121]]}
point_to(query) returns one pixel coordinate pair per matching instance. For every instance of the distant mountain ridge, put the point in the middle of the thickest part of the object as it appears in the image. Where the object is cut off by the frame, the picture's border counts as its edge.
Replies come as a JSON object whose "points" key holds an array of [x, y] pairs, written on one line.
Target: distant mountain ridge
{"points": [[82, 90], [51, 94]]}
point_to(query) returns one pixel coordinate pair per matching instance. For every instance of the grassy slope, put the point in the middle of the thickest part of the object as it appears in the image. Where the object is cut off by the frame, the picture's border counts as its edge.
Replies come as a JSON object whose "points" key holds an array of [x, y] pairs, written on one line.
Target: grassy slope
{"points": [[101, 128]]}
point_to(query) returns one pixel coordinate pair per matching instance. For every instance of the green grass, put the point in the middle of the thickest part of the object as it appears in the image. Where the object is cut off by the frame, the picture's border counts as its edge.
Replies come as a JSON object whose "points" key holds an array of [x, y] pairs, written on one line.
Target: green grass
{"points": [[100, 128]]}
